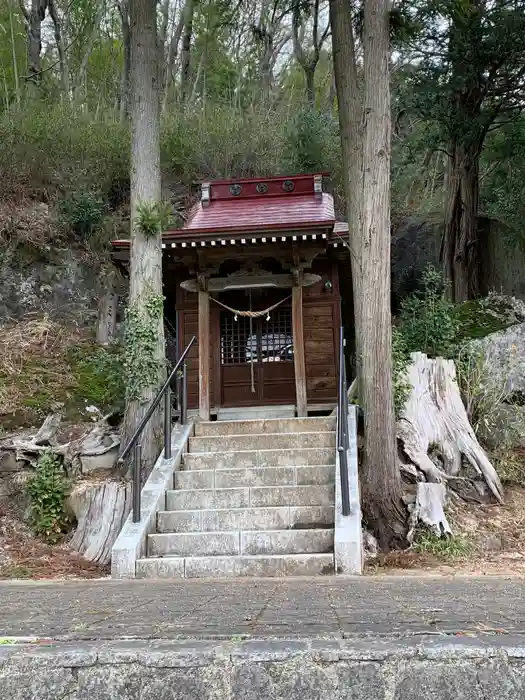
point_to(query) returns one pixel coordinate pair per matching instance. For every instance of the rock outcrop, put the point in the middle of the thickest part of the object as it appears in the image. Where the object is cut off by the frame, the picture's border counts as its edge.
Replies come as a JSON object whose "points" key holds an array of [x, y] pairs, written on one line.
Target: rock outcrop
{"points": [[416, 243]]}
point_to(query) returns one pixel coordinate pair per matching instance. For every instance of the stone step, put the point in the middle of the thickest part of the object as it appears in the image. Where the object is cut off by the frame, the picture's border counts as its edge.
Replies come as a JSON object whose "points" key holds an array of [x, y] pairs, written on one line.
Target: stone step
{"points": [[262, 426], [266, 441], [247, 459], [204, 544], [273, 518], [258, 476], [250, 497], [197, 544], [227, 566], [318, 541]]}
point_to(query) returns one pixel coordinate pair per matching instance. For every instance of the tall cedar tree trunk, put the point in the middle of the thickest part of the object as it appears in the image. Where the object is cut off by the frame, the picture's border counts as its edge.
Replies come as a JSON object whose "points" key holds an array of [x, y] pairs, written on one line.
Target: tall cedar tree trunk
{"points": [[368, 192], [460, 250], [146, 251]]}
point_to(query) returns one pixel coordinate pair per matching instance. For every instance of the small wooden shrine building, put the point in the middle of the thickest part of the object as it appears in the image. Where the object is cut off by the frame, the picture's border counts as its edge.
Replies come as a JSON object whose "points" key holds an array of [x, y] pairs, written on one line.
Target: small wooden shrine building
{"points": [[254, 274]]}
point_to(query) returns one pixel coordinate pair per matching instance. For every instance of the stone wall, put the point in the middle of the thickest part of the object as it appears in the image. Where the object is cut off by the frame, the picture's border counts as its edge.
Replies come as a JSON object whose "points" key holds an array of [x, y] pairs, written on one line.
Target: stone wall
{"points": [[64, 284], [486, 668], [42, 273]]}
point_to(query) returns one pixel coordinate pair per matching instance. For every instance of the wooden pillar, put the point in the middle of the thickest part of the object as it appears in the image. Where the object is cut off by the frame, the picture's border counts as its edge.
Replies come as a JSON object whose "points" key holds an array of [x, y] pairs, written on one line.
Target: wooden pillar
{"points": [[204, 352], [298, 344]]}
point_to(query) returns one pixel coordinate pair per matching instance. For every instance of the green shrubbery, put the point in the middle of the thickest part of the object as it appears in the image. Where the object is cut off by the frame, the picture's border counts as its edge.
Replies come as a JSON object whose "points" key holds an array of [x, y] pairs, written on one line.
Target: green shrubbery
{"points": [[82, 213], [48, 489], [427, 320], [224, 142], [60, 149], [311, 142], [427, 323]]}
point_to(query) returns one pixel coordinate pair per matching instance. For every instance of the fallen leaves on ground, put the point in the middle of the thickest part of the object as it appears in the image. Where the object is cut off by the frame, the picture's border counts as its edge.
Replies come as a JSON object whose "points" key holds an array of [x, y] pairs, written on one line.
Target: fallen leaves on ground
{"points": [[24, 556]]}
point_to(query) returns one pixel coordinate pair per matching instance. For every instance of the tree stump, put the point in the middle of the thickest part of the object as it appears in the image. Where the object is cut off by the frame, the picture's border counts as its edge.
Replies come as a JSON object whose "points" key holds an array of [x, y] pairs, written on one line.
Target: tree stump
{"points": [[100, 510], [434, 417]]}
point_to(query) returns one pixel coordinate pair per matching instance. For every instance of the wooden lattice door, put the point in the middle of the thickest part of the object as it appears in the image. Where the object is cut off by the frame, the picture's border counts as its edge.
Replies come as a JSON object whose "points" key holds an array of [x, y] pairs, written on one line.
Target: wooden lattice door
{"points": [[256, 358]]}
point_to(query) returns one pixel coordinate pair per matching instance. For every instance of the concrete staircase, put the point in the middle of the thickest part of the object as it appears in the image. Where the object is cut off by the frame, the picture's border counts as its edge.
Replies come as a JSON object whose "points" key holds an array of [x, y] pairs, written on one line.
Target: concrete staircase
{"points": [[252, 498]]}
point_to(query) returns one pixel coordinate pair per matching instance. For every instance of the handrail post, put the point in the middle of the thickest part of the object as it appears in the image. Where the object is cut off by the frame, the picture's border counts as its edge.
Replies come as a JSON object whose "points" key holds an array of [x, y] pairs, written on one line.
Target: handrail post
{"points": [[167, 424], [343, 441], [137, 459], [184, 396], [345, 397]]}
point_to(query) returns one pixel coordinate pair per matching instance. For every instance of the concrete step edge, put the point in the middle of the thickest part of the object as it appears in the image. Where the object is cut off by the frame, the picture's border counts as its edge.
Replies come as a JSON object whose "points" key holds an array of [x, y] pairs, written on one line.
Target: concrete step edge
{"points": [[247, 496], [234, 421], [210, 453], [269, 435], [257, 426], [235, 509], [243, 488], [240, 556], [247, 518], [238, 532], [266, 466], [241, 542], [242, 565]]}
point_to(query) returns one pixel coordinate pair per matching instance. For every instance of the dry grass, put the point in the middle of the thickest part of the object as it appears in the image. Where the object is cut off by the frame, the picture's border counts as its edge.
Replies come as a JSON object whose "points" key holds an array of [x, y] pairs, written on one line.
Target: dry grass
{"points": [[28, 221], [510, 464], [33, 363]]}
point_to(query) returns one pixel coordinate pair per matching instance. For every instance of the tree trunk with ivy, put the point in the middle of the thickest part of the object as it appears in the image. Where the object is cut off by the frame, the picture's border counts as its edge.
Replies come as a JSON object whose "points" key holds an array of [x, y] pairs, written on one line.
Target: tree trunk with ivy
{"points": [[145, 352]]}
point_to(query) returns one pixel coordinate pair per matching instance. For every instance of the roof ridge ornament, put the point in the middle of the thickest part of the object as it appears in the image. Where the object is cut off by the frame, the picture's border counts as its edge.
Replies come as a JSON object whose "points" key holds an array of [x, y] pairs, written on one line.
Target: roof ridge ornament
{"points": [[318, 186], [205, 194]]}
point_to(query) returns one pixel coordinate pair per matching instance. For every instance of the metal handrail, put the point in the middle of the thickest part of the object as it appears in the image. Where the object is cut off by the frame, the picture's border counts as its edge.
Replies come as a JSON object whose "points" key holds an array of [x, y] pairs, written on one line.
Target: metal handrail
{"points": [[133, 442], [342, 427]]}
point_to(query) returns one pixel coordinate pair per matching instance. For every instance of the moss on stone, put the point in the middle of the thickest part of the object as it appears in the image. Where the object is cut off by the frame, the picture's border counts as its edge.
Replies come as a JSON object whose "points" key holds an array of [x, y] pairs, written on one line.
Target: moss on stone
{"points": [[481, 317]]}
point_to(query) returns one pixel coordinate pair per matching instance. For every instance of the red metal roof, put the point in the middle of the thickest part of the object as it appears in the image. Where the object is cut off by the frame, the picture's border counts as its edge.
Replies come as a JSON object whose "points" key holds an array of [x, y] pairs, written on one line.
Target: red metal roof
{"points": [[268, 214]]}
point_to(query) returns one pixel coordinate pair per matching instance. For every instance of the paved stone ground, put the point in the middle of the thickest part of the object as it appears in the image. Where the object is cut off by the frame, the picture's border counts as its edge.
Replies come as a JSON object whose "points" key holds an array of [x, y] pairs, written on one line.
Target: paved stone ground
{"points": [[393, 607]]}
